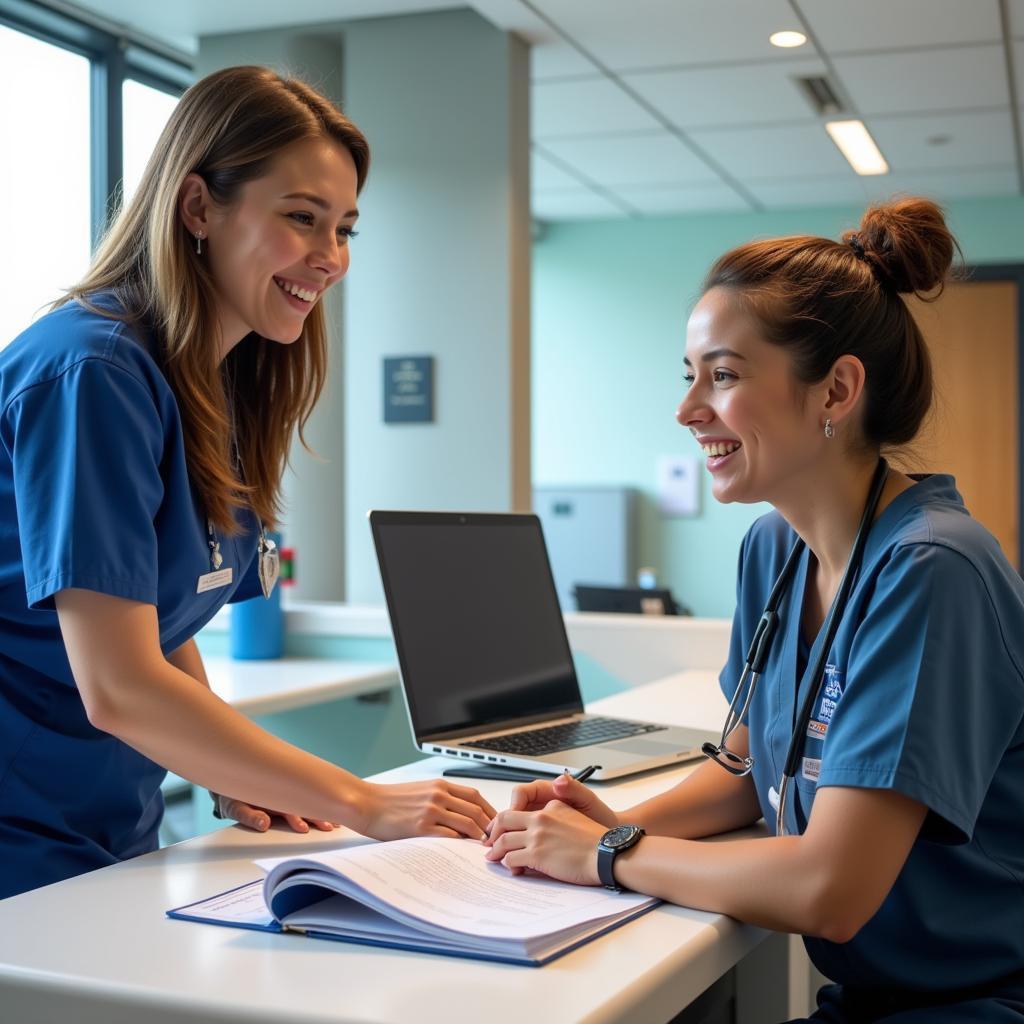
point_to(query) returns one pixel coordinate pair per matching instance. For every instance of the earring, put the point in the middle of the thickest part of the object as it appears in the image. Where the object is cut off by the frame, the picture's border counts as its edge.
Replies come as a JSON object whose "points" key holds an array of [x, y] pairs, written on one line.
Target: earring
{"points": [[830, 431], [199, 243]]}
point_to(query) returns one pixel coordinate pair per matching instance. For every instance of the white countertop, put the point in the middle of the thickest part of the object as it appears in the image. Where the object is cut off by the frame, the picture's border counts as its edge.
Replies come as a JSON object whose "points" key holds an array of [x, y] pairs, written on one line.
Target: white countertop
{"points": [[280, 684], [97, 949]]}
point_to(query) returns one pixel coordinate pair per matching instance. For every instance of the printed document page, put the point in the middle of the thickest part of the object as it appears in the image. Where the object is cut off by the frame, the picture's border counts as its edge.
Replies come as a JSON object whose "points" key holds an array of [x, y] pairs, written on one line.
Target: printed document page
{"points": [[447, 883]]}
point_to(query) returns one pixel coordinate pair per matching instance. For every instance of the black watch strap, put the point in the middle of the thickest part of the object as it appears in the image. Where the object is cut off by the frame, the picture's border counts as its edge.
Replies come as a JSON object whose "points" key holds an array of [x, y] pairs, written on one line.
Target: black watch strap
{"points": [[614, 842]]}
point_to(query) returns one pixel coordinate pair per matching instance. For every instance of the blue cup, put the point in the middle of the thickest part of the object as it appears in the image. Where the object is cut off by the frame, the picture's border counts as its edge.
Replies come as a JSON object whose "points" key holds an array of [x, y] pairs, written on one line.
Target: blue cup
{"points": [[257, 625]]}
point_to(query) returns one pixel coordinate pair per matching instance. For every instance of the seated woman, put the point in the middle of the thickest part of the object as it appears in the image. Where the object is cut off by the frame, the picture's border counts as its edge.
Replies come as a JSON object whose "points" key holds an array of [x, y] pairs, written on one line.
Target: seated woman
{"points": [[884, 742], [146, 422]]}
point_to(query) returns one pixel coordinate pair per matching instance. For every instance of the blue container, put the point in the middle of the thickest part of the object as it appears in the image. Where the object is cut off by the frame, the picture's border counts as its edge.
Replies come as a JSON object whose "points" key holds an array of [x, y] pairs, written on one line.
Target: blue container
{"points": [[257, 625]]}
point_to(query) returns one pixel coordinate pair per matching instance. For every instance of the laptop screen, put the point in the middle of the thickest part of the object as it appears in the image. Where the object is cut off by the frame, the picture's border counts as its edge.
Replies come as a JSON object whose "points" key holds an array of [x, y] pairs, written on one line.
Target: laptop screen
{"points": [[475, 617]]}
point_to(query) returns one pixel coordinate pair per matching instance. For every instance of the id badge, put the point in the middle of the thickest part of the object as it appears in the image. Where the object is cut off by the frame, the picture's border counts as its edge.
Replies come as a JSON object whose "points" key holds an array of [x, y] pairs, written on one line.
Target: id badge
{"points": [[269, 564]]}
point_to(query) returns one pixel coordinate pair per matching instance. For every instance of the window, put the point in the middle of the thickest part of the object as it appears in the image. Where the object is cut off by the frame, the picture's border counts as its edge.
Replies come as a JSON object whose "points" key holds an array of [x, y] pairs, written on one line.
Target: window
{"points": [[146, 111], [93, 107], [44, 182]]}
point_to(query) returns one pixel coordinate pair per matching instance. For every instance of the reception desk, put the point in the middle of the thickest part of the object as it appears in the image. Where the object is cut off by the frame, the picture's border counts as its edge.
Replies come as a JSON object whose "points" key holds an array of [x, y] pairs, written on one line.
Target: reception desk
{"points": [[98, 949]]}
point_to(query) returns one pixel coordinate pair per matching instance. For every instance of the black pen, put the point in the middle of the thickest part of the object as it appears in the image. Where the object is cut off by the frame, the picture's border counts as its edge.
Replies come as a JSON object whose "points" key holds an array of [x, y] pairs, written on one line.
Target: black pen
{"points": [[584, 773]]}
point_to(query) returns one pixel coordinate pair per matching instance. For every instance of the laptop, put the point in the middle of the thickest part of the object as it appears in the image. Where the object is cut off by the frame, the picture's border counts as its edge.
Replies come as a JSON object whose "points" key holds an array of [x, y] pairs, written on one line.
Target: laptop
{"points": [[485, 663]]}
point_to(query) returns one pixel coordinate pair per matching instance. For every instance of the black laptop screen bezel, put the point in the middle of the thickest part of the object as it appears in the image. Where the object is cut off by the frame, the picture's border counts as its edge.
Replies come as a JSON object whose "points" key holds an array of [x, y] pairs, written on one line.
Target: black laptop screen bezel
{"points": [[385, 518]]}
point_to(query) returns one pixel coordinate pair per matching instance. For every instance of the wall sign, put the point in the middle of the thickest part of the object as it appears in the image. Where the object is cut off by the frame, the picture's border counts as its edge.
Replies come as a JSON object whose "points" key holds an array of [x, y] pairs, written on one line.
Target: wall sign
{"points": [[409, 389], [679, 485]]}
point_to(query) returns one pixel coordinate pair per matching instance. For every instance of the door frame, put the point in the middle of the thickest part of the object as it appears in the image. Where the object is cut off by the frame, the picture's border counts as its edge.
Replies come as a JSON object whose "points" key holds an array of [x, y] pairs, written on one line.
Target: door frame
{"points": [[1013, 272]]}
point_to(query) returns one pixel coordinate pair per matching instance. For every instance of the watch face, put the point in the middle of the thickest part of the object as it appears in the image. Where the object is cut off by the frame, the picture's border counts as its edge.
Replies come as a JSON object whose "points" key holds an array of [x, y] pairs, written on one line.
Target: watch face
{"points": [[617, 837]]}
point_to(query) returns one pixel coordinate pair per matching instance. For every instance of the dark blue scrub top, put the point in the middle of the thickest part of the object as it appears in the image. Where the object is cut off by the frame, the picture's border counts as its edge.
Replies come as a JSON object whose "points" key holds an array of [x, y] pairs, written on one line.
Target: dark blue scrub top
{"points": [[95, 494], [923, 694]]}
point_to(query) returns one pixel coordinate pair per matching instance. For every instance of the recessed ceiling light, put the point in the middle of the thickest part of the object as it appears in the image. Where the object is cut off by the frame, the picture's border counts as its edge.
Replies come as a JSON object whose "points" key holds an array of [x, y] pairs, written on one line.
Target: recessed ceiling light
{"points": [[856, 144], [787, 39]]}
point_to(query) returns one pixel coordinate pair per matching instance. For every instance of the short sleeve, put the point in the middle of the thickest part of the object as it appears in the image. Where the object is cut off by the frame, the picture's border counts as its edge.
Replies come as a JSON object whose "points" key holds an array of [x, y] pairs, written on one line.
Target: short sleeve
{"points": [[742, 630], [932, 698], [86, 448]]}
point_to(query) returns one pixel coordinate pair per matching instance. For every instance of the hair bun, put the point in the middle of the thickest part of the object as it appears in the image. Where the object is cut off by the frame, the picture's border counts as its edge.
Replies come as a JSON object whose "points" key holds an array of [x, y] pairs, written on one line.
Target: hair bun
{"points": [[907, 243]]}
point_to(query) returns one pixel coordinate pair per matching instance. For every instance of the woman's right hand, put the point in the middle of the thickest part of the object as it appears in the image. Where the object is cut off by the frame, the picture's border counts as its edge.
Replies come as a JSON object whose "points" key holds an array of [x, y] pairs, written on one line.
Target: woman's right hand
{"points": [[435, 807], [534, 795]]}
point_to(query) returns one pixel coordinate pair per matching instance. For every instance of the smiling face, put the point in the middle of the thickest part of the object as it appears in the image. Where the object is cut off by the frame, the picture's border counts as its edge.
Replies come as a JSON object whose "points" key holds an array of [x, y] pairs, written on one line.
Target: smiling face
{"points": [[282, 242], [759, 427]]}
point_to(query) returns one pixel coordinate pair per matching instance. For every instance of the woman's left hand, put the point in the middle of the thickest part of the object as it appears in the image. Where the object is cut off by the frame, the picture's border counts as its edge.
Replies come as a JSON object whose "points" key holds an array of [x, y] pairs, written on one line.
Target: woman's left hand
{"points": [[557, 840], [259, 818]]}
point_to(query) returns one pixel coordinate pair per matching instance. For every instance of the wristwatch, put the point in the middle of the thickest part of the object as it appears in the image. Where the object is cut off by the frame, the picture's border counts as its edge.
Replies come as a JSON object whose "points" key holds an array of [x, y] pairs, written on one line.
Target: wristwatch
{"points": [[613, 842]]}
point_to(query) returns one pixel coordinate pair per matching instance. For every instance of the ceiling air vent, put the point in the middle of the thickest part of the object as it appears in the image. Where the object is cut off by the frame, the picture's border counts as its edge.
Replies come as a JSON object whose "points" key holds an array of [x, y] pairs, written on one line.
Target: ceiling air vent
{"points": [[820, 94]]}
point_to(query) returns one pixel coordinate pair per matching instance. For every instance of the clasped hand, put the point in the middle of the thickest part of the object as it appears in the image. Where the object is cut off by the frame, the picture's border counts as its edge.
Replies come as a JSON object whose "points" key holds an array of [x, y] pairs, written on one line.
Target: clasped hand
{"points": [[259, 818], [434, 807], [552, 827]]}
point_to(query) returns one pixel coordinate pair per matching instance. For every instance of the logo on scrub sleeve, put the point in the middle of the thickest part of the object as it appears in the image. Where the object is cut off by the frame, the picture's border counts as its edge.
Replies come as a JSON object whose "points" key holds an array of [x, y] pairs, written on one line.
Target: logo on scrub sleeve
{"points": [[831, 693]]}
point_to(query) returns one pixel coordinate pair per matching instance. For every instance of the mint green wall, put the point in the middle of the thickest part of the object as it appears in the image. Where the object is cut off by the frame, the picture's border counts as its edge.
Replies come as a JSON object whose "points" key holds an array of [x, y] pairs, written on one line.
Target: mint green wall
{"points": [[610, 302]]}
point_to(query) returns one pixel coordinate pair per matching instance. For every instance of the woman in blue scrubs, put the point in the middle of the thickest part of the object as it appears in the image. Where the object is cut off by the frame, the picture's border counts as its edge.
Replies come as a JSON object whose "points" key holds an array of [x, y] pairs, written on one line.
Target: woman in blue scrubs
{"points": [[901, 857], [145, 424]]}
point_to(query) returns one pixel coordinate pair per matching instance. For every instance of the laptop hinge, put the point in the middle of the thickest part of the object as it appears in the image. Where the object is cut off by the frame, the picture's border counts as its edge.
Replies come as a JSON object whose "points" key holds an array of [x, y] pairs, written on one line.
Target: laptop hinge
{"points": [[507, 725]]}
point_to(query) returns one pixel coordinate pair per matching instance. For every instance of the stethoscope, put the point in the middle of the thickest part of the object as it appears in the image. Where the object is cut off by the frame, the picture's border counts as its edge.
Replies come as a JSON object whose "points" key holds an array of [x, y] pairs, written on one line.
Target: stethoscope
{"points": [[760, 647]]}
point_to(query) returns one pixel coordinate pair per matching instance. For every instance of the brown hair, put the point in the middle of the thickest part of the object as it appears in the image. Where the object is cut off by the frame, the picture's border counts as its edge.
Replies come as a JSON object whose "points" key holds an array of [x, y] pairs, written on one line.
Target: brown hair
{"points": [[822, 299], [227, 128]]}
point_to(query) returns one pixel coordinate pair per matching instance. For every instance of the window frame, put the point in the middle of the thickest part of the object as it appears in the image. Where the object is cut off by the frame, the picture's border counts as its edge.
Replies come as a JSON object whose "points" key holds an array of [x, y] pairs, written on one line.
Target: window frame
{"points": [[113, 58]]}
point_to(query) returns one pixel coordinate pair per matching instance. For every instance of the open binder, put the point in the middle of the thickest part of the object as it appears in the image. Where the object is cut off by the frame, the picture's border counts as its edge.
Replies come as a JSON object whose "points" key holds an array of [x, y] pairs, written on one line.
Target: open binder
{"points": [[430, 895]]}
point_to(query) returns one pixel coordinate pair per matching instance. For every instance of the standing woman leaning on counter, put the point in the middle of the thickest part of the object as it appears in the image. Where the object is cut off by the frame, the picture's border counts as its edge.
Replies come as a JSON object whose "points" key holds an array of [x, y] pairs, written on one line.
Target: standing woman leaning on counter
{"points": [[899, 849], [145, 425]]}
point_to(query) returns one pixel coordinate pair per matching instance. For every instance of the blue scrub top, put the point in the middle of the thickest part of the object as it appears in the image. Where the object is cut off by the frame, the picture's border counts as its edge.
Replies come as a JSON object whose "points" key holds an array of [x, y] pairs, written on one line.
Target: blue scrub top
{"points": [[923, 693], [94, 494]]}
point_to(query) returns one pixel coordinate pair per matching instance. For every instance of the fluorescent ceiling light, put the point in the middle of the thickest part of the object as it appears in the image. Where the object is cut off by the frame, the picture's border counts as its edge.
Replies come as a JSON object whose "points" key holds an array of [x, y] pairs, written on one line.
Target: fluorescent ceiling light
{"points": [[857, 146], [787, 39]]}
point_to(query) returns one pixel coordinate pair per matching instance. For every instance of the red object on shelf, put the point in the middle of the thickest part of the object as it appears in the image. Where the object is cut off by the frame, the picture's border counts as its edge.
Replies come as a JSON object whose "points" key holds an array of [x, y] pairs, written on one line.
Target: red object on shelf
{"points": [[287, 556]]}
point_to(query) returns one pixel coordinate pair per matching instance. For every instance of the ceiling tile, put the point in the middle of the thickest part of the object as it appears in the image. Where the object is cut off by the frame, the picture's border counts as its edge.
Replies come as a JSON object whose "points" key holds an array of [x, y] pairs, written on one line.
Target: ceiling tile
{"points": [[1015, 12], [572, 204], [974, 140], [663, 199], [773, 152], [945, 185], [650, 159], [764, 91], [557, 59], [545, 174], [653, 33], [1018, 67], [952, 79], [842, 190], [859, 192], [550, 55], [891, 24], [585, 107]]}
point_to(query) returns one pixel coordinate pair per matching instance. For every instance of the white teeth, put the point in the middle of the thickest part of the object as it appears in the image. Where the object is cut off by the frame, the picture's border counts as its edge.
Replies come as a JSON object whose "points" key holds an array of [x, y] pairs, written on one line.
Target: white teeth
{"points": [[294, 289], [719, 448]]}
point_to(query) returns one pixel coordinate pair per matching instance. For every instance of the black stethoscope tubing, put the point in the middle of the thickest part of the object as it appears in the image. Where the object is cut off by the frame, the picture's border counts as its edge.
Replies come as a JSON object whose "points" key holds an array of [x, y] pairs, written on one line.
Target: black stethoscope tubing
{"points": [[760, 646], [835, 616]]}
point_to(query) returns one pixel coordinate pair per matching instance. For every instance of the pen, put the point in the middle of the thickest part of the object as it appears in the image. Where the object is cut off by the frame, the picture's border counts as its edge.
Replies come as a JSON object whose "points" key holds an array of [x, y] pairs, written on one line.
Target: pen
{"points": [[584, 773]]}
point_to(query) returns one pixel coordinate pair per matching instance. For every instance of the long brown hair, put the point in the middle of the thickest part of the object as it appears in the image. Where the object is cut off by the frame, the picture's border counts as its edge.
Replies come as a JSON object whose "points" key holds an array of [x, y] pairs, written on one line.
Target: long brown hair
{"points": [[821, 299], [227, 128]]}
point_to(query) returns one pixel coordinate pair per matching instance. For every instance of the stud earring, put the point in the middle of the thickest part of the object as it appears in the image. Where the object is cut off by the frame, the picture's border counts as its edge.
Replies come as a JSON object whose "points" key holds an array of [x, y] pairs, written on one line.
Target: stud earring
{"points": [[830, 431], [199, 243]]}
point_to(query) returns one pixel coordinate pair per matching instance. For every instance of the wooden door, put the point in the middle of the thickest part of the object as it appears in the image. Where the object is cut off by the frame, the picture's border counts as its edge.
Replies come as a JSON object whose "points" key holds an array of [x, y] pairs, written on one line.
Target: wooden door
{"points": [[972, 431]]}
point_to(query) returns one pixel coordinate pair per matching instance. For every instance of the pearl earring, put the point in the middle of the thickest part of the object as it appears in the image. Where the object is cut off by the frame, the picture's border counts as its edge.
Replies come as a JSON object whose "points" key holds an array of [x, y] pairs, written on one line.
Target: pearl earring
{"points": [[199, 243], [830, 431]]}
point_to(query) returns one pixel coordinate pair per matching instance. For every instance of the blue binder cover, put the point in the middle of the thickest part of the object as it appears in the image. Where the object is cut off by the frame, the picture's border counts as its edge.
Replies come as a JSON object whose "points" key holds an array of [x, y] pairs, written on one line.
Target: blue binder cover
{"points": [[318, 897]]}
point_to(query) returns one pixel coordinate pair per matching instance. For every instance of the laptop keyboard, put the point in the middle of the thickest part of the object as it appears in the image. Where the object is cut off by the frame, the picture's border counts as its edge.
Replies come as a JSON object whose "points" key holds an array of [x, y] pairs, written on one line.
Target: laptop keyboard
{"points": [[568, 735]]}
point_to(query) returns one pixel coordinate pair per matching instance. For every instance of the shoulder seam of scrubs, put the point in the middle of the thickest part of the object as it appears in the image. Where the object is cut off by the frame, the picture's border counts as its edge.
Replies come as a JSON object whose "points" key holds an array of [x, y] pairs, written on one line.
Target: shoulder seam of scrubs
{"points": [[941, 542], [106, 356]]}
